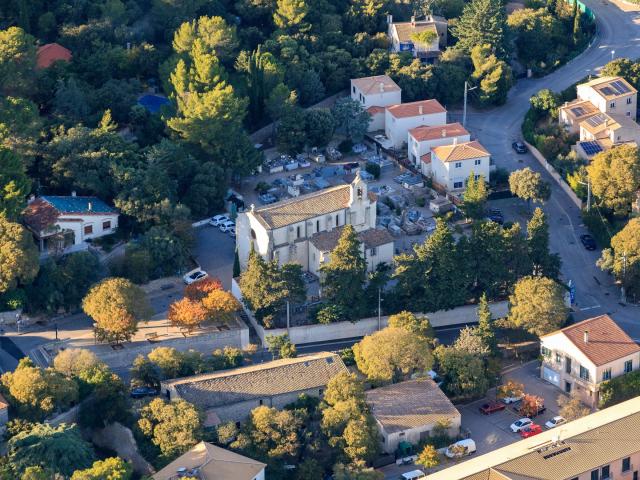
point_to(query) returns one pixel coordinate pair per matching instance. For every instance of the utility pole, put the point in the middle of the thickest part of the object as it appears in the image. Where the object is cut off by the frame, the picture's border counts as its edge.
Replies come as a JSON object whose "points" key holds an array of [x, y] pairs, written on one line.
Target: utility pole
{"points": [[464, 109], [287, 317], [379, 309], [588, 184], [623, 296]]}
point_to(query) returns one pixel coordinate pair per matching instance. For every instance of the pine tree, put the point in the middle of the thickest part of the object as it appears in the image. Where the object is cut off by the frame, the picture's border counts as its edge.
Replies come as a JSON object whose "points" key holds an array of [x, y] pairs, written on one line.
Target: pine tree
{"points": [[482, 22], [343, 277], [475, 197], [290, 14], [544, 263], [577, 15], [236, 264], [486, 329]]}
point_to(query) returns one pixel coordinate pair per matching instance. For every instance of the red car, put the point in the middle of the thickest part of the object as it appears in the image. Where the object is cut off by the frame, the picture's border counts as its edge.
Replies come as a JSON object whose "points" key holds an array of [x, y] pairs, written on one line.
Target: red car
{"points": [[531, 430], [492, 407]]}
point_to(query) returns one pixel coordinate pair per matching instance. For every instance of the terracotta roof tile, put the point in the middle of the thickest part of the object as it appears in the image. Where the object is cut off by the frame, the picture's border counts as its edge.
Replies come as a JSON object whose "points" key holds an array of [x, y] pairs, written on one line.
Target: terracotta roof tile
{"points": [[375, 110], [374, 237], [50, 53], [429, 107], [405, 29], [460, 151], [607, 342], [410, 404], [369, 85], [424, 133]]}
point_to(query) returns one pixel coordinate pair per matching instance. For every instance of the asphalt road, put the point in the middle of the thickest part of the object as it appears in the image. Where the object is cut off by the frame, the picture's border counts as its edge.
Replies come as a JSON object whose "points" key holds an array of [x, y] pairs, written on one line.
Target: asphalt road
{"points": [[496, 129]]}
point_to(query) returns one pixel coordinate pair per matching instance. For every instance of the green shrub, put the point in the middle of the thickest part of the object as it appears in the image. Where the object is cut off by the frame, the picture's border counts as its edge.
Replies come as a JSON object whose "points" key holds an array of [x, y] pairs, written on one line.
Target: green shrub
{"points": [[262, 187], [620, 389], [373, 169], [421, 202], [345, 146], [13, 299]]}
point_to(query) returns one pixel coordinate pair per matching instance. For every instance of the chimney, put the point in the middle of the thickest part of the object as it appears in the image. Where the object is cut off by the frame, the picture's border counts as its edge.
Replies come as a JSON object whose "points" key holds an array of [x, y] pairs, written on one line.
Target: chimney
{"points": [[253, 207], [586, 336], [381, 87], [389, 19], [89, 206], [73, 193], [444, 133], [420, 109], [413, 21], [455, 140], [32, 197]]}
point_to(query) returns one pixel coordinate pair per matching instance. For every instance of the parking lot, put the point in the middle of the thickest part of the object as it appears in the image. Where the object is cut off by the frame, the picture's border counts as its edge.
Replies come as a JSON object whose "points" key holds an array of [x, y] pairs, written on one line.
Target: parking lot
{"points": [[214, 253]]}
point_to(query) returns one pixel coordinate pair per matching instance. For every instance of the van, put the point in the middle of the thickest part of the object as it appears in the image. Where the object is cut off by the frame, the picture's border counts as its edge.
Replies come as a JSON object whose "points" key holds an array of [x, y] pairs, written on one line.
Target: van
{"points": [[461, 448], [413, 475]]}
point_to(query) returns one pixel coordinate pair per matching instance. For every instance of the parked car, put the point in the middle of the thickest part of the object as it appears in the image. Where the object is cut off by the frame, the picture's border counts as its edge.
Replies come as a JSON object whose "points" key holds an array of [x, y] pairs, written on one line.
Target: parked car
{"points": [[520, 424], [141, 392], [218, 219], [555, 421], [531, 430], [495, 215], [232, 232], [226, 226], [461, 448], [509, 400], [588, 241], [194, 276], [492, 407], [519, 147], [413, 475]]}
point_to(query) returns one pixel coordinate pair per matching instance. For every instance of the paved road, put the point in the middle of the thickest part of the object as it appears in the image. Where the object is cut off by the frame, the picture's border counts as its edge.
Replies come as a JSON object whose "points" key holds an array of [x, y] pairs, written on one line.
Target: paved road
{"points": [[617, 30]]}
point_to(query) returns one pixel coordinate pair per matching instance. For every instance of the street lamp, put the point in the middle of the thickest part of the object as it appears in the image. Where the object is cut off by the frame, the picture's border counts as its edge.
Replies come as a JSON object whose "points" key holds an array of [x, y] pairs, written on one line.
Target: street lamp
{"points": [[613, 52], [588, 184], [464, 110]]}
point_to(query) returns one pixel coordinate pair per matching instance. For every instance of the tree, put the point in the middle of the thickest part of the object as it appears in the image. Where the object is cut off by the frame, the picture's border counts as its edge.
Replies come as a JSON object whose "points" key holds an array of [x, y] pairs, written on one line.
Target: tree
{"points": [[392, 354], [544, 263], [486, 328], [216, 36], [355, 472], [200, 289], [545, 102], [14, 184], [418, 325], [536, 33], [475, 197], [280, 345], [291, 135], [108, 402], [17, 61], [112, 468], [492, 75], [529, 186], [537, 305], [221, 306], [623, 258], [530, 405], [615, 177], [290, 14], [36, 473], [344, 387], [510, 389], [174, 427], [18, 255], [351, 119], [187, 313], [36, 393], [463, 373], [72, 361], [361, 438], [169, 253], [310, 469], [344, 275], [145, 373], [424, 38], [471, 342], [236, 264], [169, 360], [482, 22], [319, 127], [58, 449], [571, 408], [116, 305], [428, 457]]}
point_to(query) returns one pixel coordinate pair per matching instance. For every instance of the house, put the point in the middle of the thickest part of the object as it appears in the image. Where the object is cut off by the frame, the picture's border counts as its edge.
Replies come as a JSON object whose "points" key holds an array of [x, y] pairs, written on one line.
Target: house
{"points": [[61, 223], [4, 414], [283, 230], [452, 164], [602, 131], [399, 119], [612, 95], [409, 411], [571, 114], [230, 395], [376, 247], [603, 445], [48, 54], [208, 462], [401, 36], [375, 93], [423, 138], [578, 358]]}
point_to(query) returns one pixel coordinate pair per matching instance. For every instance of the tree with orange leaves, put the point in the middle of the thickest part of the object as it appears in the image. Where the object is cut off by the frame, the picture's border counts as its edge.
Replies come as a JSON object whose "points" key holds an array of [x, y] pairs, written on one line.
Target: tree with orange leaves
{"points": [[200, 289], [187, 313], [221, 305]]}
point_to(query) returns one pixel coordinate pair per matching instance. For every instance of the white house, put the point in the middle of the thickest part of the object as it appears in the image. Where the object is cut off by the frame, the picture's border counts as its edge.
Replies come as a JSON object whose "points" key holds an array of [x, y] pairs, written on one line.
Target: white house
{"points": [[399, 119], [612, 95], [452, 164], [209, 462], [423, 138], [401, 33], [578, 358], [409, 411], [375, 93], [61, 223], [284, 230]]}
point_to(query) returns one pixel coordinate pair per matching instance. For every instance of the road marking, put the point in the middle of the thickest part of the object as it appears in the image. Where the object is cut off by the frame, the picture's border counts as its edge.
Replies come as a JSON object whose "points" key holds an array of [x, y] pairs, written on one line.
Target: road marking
{"points": [[590, 308]]}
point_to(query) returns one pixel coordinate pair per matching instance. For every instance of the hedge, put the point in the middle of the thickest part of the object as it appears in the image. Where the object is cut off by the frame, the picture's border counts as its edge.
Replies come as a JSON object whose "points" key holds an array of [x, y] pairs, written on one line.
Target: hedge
{"points": [[619, 389]]}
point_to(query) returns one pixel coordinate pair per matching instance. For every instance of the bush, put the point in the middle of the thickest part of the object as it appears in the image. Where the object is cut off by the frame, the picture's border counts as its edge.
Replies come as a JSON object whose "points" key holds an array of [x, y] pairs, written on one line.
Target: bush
{"points": [[13, 299], [421, 202], [262, 187], [330, 314], [345, 146], [373, 169], [620, 389]]}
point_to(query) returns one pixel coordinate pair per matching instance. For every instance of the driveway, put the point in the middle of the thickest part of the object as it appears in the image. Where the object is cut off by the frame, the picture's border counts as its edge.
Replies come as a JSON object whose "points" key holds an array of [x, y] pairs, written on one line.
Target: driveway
{"points": [[214, 252]]}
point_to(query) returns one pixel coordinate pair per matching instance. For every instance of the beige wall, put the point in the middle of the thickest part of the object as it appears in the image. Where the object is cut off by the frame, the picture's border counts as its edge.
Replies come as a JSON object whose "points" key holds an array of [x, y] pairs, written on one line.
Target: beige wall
{"points": [[615, 469], [397, 129], [619, 107], [377, 99], [417, 149], [414, 435], [446, 173]]}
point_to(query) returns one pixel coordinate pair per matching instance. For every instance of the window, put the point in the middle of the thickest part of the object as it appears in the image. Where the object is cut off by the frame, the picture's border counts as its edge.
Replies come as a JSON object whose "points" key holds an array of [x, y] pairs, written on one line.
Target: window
{"points": [[260, 401], [628, 114], [595, 475], [477, 161], [545, 352], [458, 165], [457, 184], [337, 220], [629, 101], [373, 252], [612, 105], [628, 366], [606, 472], [298, 231], [106, 225], [320, 391], [567, 364], [626, 464], [606, 374], [88, 229], [584, 373], [558, 358], [354, 89], [317, 225]]}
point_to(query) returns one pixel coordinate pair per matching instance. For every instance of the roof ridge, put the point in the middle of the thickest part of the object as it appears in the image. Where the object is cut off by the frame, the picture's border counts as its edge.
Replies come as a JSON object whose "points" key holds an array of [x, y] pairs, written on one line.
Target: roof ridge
{"points": [[301, 197]]}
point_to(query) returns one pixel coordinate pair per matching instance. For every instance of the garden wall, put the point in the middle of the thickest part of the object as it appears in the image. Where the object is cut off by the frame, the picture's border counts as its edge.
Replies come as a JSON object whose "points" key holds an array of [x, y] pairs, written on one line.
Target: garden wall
{"points": [[366, 326], [556, 176]]}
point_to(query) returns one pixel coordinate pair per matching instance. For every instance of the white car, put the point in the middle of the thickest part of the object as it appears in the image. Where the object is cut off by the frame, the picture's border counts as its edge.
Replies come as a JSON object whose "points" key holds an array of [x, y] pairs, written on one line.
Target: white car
{"points": [[218, 219], [520, 424], [509, 400], [555, 421], [226, 226], [194, 276], [232, 232]]}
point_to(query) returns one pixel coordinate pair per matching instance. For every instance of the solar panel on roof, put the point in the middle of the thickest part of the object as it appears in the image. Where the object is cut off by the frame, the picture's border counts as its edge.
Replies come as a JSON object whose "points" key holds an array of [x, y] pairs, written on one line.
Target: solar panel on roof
{"points": [[591, 148], [595, 120], [608, 90], [620, 86], [578, 111]]}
